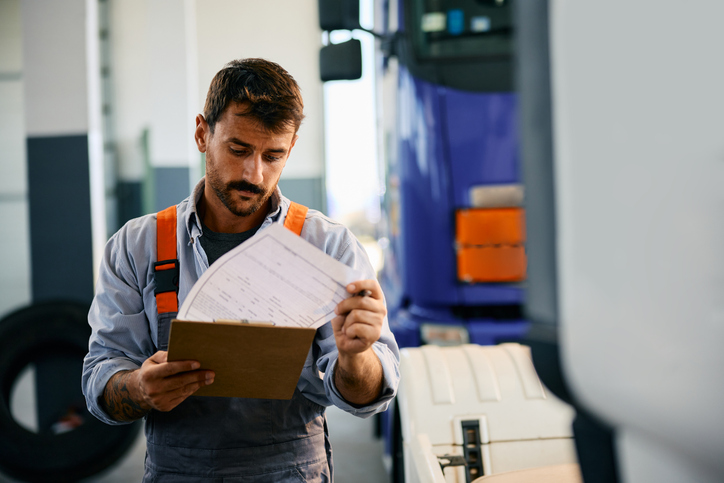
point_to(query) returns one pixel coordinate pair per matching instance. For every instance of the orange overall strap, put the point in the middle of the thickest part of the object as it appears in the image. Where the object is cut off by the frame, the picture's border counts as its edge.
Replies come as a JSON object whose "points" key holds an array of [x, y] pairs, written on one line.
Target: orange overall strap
{"points": [[295, 217], [166, 270]]}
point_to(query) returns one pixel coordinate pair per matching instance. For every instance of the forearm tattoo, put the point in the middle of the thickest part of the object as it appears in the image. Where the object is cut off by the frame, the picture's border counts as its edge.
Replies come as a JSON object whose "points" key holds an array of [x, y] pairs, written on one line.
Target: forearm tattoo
{"points": [[117, 401]]}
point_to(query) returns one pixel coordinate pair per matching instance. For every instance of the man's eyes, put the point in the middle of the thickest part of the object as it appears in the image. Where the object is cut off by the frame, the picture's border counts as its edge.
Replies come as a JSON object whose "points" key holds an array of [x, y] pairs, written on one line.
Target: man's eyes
{"points": [[239, 152], [245, 152]]}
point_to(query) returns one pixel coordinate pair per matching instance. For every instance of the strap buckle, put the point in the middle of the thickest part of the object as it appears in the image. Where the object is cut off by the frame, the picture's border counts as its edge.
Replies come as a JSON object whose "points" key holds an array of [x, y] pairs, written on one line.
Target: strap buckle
{"points": [[166, 275]]}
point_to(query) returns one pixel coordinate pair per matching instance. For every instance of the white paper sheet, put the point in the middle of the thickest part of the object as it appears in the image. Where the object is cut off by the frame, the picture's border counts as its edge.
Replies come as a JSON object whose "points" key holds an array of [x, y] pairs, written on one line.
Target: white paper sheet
{"points": [[275, 276]]}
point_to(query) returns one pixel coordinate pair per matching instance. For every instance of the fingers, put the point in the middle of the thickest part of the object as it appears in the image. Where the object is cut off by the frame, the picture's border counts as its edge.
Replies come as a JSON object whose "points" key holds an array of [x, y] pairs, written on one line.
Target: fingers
{"points": [[359, 318], [358, 338], [357, 331], [157, 383], [365, 331], [367, 304], [170, 369], [179, 381], [344, 321], [158, 365], [367, 295], [173, 391], [370, 285], [165, 384]]}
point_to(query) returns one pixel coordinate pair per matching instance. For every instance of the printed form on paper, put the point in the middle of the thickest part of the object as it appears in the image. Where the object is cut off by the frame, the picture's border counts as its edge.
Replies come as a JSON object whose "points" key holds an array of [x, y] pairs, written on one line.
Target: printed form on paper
{"points": [[275, 276]]}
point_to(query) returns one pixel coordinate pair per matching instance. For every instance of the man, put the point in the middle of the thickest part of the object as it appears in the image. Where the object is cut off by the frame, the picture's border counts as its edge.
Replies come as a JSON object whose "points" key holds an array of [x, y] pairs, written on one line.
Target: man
{"points": [[252, 114]]}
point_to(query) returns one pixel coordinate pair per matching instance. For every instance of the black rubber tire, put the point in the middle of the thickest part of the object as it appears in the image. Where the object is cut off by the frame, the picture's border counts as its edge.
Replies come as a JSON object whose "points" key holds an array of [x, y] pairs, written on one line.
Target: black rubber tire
{"points": [[52, 328]]}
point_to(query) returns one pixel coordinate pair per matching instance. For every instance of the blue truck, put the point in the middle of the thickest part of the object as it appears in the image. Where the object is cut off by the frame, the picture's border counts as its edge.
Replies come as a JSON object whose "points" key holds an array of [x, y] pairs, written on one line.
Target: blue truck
{"points": [[453, 224]]}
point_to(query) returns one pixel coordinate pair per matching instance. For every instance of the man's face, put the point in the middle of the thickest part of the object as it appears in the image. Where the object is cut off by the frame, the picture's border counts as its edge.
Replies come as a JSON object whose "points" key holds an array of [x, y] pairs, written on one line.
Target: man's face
{"points": [[243, 160]]}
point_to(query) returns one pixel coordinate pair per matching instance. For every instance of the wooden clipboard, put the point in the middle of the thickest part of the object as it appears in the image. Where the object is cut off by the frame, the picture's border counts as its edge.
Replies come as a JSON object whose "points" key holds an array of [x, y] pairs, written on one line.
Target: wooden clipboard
{"points": [[250, 360]]}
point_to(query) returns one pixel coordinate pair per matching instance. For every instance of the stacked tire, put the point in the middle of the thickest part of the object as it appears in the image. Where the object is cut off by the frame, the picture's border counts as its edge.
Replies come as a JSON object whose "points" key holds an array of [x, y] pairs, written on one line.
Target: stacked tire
{"points": [[46, 332]]}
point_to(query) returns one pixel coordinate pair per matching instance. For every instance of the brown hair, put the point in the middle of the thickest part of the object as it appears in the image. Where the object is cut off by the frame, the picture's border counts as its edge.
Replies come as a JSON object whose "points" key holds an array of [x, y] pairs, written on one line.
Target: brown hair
{"points": [[272, 94]]}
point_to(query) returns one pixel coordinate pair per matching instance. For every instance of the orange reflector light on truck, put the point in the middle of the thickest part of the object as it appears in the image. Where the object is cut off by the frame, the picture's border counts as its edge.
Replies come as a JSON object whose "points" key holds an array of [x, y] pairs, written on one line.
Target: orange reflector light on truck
{"points": [[490, 246], [491, 226], [492, 264]]}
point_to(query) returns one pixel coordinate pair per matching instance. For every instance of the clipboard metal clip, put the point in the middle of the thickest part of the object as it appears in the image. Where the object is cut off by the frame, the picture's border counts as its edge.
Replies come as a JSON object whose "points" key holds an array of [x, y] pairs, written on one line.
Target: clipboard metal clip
{"points": [[244, 321]]}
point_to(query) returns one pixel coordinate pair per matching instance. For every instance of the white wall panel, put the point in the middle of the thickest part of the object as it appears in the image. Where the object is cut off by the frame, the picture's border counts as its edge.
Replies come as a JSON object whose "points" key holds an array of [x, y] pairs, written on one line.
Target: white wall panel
{"points": [[283, 31], [56, 81]]}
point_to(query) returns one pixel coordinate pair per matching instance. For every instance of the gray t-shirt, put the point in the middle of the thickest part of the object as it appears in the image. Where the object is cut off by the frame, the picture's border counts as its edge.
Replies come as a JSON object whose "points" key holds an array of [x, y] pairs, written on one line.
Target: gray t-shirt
{"points": [[217, 244]]}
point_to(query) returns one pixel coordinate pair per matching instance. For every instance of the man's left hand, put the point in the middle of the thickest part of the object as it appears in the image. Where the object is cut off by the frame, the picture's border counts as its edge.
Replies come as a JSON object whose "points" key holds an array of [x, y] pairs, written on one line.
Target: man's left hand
{"points": [[358, 325], [359, 319]]}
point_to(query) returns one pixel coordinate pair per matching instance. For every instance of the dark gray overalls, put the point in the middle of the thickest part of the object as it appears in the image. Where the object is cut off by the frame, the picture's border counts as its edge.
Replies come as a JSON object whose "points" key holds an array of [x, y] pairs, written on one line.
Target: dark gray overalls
{"points": [[214, 439]]}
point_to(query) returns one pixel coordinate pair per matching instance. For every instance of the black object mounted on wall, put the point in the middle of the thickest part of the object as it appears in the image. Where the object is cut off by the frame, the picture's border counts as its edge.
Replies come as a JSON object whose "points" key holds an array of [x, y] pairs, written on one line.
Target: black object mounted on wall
{"points": [[338, 14], [342, 61]]}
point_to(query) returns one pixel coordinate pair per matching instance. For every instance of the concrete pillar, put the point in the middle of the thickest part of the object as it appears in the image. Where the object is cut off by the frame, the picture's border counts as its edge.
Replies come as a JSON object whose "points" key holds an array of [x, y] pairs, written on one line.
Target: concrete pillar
{"points": [[66, 185]]}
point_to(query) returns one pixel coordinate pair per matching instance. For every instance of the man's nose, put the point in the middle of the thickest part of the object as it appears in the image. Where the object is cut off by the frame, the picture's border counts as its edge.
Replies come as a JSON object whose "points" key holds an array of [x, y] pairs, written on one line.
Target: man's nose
{"points": [[253, 169]]}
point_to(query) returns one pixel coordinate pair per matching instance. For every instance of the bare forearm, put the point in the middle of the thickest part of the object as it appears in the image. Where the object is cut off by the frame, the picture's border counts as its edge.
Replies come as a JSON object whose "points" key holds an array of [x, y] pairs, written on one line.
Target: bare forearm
{"points": [[120, 400], [358, 377]]}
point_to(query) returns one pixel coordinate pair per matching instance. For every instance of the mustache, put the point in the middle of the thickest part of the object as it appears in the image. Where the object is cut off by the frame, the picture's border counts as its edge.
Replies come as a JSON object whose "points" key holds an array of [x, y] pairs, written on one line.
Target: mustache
{"points": [[245, 186]]}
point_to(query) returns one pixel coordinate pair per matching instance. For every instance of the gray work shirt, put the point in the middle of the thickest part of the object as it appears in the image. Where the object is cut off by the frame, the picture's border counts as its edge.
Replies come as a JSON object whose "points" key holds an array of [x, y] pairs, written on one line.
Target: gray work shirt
{"points": [[123, 316]]}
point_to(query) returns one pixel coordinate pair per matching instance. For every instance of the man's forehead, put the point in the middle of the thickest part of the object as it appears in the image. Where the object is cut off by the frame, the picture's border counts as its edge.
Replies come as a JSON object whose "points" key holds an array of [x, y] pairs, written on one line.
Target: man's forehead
{"points": [[242, 126]]}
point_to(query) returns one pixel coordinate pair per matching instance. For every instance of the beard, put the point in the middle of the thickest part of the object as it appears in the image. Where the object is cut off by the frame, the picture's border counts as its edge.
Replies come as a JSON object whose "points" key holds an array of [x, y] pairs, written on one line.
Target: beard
{"points": [[227, 192]]}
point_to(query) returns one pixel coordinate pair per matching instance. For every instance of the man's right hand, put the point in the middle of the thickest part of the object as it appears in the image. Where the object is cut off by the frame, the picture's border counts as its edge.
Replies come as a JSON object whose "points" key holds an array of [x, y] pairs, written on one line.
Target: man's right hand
{"points": [[158, 384], [164, 385]]}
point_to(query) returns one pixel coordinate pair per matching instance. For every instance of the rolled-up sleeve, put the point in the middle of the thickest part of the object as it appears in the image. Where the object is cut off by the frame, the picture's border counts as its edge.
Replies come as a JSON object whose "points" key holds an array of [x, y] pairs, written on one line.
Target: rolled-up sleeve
{"points": [[324, 354], [388, 354], [120, 338]]}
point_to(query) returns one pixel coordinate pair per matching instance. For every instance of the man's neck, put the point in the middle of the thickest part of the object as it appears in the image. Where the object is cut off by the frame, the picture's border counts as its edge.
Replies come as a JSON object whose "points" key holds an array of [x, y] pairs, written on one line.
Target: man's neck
{"points": [[221, 220]]}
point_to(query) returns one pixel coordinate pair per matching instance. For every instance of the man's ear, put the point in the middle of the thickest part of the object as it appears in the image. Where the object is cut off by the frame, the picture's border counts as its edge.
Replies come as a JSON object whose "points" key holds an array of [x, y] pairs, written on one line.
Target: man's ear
{"points": [[202, 133], [294, 141], [289, 152]]}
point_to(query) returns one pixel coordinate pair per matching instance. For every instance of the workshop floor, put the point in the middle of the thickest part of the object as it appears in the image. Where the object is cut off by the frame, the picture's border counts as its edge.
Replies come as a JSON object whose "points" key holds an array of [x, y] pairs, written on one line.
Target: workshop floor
{"points": [[357, 454]]}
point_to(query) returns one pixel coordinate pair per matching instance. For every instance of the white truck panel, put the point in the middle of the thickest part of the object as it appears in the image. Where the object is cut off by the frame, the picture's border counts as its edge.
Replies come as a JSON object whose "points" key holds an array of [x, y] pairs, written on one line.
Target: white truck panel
{"points": [[520, 424]]}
